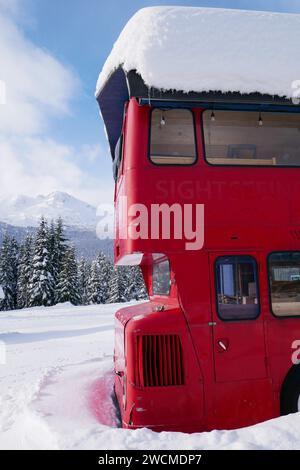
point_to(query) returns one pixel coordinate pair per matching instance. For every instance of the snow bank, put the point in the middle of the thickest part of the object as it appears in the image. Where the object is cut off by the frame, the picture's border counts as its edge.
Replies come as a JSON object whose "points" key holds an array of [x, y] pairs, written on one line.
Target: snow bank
{"points": [[203, 49], [55, 390]]}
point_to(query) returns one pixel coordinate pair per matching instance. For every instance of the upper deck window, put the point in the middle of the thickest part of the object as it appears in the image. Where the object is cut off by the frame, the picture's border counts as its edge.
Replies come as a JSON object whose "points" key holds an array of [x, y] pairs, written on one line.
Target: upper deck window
{"points": [[252, 138], [172, 140]]}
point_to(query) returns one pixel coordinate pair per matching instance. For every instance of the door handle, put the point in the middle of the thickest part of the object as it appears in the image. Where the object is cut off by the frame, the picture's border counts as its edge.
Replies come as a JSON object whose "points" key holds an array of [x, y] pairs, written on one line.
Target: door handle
{"points": [[223, 345]]}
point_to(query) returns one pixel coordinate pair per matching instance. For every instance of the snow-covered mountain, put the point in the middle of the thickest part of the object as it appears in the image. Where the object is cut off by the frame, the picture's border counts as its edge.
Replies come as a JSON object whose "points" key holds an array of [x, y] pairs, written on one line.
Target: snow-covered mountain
{"points": [[20, 215], [24, 211]]}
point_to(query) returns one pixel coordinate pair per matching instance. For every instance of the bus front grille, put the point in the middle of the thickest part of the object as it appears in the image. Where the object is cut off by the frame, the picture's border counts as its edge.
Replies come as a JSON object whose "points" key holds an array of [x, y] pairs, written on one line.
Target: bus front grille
{"points": [[159, 361]]}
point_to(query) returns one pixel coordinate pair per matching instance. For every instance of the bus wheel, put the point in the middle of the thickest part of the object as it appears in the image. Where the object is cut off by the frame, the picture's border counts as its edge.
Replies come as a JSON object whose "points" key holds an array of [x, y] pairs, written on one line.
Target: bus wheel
{"points": [[290, 392], [117, 408]]}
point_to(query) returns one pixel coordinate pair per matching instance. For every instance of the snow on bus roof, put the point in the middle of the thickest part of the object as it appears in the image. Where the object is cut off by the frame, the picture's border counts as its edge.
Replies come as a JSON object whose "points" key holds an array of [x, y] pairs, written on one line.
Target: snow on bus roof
{"points": [[209, 49]]}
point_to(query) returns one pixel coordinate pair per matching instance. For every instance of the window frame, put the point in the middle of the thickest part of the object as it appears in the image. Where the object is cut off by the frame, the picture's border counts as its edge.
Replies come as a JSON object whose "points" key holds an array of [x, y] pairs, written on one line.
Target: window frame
{"points": [[156, 263], [258, 110], [278, 317], [226, 320], [182, 165]]}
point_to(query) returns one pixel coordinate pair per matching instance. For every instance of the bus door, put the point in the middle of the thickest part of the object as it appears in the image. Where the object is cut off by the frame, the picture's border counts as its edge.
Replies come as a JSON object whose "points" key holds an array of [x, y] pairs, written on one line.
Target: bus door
{"points": [[238, 329]]}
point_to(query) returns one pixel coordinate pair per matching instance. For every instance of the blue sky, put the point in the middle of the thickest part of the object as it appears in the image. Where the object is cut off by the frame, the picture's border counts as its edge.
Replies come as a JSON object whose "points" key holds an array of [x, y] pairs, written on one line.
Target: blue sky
{"points": [[60, 144]]}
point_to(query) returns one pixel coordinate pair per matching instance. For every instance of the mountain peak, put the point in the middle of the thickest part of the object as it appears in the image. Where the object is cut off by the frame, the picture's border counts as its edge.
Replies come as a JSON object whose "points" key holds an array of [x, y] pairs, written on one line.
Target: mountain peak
{"points": [[25, 211], [60, 195]]}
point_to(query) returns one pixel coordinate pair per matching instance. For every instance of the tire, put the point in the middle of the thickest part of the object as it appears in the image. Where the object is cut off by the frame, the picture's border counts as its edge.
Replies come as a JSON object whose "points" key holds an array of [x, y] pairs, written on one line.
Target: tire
{"points": [[290, 392], [117, 408]]}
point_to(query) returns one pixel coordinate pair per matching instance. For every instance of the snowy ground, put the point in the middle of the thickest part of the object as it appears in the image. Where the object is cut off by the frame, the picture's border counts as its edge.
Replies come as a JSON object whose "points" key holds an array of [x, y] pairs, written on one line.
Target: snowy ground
{"points": [[56, 383]]}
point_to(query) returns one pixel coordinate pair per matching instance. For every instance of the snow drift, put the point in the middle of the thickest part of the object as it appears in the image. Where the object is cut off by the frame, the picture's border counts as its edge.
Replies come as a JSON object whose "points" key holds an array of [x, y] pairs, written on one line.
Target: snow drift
{"points": [[206, 49], [55, 389]]}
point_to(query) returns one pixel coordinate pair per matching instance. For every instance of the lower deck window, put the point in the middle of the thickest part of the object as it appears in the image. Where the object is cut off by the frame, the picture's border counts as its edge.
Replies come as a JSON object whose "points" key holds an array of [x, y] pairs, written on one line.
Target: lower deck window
{"points": [[284, 277], [237, 290]]}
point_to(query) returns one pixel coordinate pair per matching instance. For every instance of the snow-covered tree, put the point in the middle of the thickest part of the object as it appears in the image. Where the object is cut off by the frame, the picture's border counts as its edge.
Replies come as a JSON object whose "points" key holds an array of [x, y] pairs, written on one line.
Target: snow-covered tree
{"points": [[140, 291], [9, 272], [2, 295], [25, 272], [84, 268], [14, 267], [93, 287], [126, 284], [106, 271], [45, 271], [118, 285], [58, 245], [67, 289], [98, 284], [41, 285], [135, 285]]}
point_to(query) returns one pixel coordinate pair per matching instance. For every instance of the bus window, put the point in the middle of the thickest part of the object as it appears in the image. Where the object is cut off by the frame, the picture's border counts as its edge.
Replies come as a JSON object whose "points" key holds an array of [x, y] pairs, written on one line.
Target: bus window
{"points": [[172, 140], [237, 289], [118, 157], [284, 277], [161, 279], [252, 138]]}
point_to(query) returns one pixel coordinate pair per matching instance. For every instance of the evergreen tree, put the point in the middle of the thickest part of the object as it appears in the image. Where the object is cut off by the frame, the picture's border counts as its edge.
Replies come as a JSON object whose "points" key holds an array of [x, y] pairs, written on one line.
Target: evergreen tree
{"points": [[9, 272], [135, 285], [94, 284], [141, 291], [118, 285], [83, 278], [67, 289], [98, 283], [52, 257], [25, 272], [126, 283], [41, 287], [15, 253], [105, 273], [45, 271], [5, 275], [58, 245]]}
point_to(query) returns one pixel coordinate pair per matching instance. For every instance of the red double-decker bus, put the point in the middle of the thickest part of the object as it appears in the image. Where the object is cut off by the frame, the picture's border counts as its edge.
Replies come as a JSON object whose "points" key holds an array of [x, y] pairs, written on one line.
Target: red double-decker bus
{"points": [[217, 343]]}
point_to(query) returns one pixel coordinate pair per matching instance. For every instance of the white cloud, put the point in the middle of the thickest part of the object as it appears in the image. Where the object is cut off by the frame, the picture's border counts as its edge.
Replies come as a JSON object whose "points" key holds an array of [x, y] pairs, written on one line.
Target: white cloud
{"points": [[2, 92], [10, 6], [37, 85], [38, 88], [35, 165], [92, 152]]}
